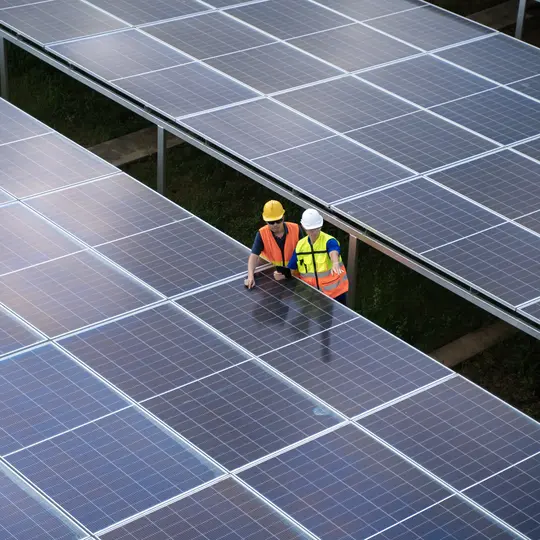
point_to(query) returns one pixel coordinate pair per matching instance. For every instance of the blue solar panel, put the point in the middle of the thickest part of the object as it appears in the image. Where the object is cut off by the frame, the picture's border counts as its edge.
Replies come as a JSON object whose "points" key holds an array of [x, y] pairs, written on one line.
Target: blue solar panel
{"points": [[43, 392], [531, 87], [4, 197], [110, 469], [367, 9], [531, 148], [16, 125], [14, 334], [531, 221], [344, 485]]}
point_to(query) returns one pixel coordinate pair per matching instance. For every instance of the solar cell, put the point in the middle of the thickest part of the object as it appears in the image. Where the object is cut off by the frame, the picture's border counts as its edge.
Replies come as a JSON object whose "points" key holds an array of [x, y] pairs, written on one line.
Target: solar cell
{"points": [[110, 469], [504, 182], [532, 311], [499, 114], [25, 514], [368, 9], [270, 315], [5, 198], [500, 58], [16, 124], [179, 257], [531, 221], [14, 3], [152, 352], [41, 164], [222, 3], [531, 149], [346, 103], [184, 90], [226, 510], [332, 169], [503, 261], [356, 366], [28, 239], [47, 22], [422, 141], [273, 67], [257, 129], [68, 293], [429, 27], [208, 35], [531, 86], [345, 47], [344, 485], [14, 334], [107, 209], [426, 80], [285, 20], [122, 54], [43, 392], [513, 495]]}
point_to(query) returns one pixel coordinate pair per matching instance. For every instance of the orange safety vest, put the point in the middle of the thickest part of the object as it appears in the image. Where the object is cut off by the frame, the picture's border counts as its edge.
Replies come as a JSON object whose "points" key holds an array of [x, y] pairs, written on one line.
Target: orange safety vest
{"points": [[272, 252], [315, 266]]}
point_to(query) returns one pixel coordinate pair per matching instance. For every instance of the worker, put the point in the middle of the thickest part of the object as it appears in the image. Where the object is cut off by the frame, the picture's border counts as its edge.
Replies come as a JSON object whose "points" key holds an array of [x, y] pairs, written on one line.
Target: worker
{"points": [[275, 241], [317, 257]]}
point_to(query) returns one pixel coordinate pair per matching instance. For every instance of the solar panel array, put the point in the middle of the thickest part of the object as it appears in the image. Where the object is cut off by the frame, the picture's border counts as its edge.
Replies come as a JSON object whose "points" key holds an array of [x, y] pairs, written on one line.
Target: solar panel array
{"points": [[145, 393]]}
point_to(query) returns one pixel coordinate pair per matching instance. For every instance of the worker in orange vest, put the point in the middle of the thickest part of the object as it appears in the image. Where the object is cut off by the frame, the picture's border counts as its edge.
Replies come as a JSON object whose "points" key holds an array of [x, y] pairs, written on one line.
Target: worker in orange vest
{"points": [[275, 241]]}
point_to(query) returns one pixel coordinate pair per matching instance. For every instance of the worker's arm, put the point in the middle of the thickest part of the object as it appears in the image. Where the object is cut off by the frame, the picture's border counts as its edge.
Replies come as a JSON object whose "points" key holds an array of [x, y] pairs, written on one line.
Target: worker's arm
{"points": [[285, 273], [253, 260], [332, 247]]}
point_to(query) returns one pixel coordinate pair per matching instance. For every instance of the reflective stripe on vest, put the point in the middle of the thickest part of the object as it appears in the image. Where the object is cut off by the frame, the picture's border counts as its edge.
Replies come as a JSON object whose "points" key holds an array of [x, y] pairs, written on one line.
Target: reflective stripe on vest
{"points": [[272, 252]]}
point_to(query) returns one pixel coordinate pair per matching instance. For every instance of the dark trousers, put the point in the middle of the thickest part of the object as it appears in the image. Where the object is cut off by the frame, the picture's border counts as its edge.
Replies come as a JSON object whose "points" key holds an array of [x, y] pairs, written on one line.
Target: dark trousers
{"points": [[342, 298]]}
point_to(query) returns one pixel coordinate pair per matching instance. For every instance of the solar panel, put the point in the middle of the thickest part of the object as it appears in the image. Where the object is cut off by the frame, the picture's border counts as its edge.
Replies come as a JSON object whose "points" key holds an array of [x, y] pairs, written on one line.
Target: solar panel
{"points": [[208, 35], [531, 221], [226, 510], [184, 90], [356, 366], [346, 103], [513, 495], [14, 3], [5, 198], [422, 141], [498, 57], [332, 169], [429, 27], [257, 129], [28, 239], [154, 351], [285, 20], [420, 215], [504, 182], [122, 54], [110, 469], [241, 414], [531, 148], [499, 114], [273, 67], [40, 164], [269, 316], [426, 81], [503, 261], [178, 257], [344, 485], [345, 47], [14, 334], [72, 292], [16, 125], [43, 392], [107, 209], [47, 22], [368, 9], [531, 87]]}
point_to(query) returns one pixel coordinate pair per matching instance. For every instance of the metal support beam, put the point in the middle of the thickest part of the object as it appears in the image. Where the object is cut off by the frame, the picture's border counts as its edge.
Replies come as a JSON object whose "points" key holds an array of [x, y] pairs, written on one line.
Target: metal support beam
{"points": [[3, 69], [352, 270], [161, 159], [520, 18]]}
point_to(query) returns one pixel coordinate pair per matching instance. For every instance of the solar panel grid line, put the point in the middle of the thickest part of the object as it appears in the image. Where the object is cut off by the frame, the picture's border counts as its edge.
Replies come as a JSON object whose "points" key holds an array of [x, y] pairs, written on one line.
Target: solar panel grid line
{"points": [[30, 136], [528, 303]]}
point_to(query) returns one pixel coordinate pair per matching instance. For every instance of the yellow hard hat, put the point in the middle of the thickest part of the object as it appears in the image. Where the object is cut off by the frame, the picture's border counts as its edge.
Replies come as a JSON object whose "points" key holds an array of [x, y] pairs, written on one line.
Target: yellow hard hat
{"points": [[273, 211]]}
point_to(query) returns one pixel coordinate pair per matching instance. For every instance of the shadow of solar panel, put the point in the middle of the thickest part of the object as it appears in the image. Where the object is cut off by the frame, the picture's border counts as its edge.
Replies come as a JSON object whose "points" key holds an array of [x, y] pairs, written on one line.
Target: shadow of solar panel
{"points": [[26, 514], [113, 468], [121, 54], [14, 334], [332, 169], [531, 86], [153, 351], [43, 392], [504, 262], [241, 414], [532, 311], [429, 27], [107, 209], [531, 149], [44, 163], [344, 485], [47, 22], [368, 9], [514, 496], [500, 114], [179, 257], [356, 366], [225, 511], [457, 431], [419, 215], [345, 104], [452, 519], [504, 182], [270, 315], [16, 124], [69, 293], [531, 221]]}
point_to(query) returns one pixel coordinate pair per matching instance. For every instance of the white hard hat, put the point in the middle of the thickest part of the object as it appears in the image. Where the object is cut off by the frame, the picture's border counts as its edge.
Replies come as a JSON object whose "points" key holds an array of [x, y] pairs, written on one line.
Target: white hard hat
{"points": [[311, 219]]}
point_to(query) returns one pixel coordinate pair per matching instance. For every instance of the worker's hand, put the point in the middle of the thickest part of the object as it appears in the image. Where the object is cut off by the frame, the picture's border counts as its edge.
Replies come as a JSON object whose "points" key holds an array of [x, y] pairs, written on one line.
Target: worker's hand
{"points": [[278, 276], [336, 269], [249, 282]]}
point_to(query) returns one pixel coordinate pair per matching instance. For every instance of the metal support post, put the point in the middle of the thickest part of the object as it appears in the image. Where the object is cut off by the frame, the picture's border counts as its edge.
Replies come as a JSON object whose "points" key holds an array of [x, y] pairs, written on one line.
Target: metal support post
{"points": [[3, 69], [520, 18], [161, 159], [352, 270]]}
